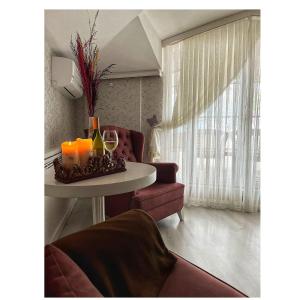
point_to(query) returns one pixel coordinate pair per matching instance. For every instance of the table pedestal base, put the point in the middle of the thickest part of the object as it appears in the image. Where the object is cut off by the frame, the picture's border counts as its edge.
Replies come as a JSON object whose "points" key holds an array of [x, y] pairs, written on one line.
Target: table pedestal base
{"points": [[98, 204]]}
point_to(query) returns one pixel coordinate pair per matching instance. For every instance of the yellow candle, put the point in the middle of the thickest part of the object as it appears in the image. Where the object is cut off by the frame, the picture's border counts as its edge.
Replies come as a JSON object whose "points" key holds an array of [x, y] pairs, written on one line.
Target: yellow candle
{"points": [[69, 154], [85, 147]]}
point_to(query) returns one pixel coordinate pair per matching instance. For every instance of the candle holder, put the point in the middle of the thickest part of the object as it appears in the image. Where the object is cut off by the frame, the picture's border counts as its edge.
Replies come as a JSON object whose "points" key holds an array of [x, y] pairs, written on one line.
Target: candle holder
{"points": [[96, 167]]}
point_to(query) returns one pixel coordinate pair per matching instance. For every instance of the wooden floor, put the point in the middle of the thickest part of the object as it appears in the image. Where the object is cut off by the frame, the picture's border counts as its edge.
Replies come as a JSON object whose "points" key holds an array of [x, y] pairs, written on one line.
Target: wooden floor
{"points": [[224, 243]]}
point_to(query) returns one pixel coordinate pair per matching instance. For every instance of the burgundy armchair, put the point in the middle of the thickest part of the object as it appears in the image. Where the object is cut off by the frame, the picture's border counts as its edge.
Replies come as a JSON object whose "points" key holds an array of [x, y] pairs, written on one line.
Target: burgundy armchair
{"points": [[161, 199]]}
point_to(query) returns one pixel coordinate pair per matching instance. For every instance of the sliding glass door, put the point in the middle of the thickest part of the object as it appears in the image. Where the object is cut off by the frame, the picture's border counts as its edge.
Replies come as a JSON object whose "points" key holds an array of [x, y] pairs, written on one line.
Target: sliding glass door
{"points": [[211, 116]]}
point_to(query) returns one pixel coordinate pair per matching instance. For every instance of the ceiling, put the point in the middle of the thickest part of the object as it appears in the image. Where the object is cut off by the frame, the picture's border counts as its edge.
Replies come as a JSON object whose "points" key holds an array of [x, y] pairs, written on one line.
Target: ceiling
{"points": [[171, 22], [129, 38]]}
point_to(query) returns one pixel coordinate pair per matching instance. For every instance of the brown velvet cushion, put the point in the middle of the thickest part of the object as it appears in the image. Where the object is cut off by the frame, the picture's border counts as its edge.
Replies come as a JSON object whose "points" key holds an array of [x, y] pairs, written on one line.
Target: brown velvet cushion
{"points": [[63, 278], [187, 280], [123, 257]]}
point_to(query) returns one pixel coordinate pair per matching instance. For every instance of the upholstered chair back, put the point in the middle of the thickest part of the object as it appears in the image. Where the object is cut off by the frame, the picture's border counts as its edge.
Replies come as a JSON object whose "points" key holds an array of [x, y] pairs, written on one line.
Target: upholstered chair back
{"points": [[131, 143]]}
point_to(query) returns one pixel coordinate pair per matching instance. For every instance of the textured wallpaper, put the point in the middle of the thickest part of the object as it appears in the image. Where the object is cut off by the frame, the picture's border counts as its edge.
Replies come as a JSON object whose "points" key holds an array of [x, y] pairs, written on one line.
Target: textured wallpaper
{"points": [[119, 103], [125, 103], [60, 125], [60, 120]]}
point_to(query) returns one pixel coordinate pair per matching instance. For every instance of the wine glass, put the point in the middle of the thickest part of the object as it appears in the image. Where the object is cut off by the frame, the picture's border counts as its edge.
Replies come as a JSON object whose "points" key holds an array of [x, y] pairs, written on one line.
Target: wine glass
{"points": [[110, 139]]}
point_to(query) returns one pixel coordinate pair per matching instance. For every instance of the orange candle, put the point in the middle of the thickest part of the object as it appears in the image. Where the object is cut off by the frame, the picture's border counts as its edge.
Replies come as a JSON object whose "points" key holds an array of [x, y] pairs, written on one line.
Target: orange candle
{"points": [[69, 154], [85, 147]]}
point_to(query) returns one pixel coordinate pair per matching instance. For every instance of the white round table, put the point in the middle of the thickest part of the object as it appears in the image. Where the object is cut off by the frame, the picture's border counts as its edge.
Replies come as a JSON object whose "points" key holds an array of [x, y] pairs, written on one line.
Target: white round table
{"points": [[137, 176]]}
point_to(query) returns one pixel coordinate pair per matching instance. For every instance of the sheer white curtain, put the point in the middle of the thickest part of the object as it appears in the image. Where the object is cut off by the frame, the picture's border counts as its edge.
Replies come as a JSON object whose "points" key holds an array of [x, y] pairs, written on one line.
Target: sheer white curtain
{"points": [[210, 124]]}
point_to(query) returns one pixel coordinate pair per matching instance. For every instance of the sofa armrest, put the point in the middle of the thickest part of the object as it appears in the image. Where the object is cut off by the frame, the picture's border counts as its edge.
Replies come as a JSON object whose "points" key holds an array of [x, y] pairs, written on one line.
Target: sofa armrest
{"points": [[166, 172], [188, 280]]}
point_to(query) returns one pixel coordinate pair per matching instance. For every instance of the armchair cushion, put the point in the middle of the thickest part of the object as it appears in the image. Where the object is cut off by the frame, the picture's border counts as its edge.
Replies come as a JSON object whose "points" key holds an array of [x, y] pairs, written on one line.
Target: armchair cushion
{"points": [[166, 172], [138, 140], [125, 147], [131, 143], [157, 194]]}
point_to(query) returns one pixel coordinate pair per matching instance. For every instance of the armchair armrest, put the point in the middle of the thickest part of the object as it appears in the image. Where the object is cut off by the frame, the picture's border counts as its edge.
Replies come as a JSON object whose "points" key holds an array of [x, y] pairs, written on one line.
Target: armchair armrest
{"points": [[166, 172]]}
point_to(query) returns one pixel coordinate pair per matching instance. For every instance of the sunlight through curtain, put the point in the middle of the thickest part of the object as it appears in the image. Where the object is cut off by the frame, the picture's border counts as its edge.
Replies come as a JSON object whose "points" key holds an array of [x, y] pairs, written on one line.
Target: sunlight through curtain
{"points": [[210, 123]]}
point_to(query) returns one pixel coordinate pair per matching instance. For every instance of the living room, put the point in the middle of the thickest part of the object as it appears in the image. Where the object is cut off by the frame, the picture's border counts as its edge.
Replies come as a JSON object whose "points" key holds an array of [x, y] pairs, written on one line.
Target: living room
{"points": [[144, 50], [152, 182]]}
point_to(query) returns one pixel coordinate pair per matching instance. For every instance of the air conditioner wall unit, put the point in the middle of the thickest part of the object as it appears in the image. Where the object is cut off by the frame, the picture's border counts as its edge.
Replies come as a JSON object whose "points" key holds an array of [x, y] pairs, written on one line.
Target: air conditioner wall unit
{"points": [[65, 77]]}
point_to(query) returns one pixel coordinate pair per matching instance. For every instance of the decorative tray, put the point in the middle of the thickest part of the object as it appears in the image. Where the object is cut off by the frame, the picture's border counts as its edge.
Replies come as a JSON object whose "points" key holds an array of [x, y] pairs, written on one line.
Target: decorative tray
{"points": [[96, 167]]}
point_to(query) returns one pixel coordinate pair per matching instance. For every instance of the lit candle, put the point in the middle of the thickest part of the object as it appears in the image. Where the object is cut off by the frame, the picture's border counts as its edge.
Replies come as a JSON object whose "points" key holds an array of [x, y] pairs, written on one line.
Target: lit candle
{"points": [[85, 147], [69, 154]]}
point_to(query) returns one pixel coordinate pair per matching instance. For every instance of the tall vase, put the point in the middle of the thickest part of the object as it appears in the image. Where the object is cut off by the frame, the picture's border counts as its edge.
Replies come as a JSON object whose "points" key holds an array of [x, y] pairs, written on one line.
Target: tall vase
{"points": [[93, 124]]}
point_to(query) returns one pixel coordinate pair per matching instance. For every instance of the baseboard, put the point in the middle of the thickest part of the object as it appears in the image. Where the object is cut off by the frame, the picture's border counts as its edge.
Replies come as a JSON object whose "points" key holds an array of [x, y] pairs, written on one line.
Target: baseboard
{"points": [[57, 232]]}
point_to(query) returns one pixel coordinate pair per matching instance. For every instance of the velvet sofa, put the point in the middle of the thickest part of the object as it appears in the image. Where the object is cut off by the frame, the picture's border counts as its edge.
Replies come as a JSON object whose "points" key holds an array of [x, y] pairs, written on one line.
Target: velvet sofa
{"points": [[125, 256], [65, 279]]}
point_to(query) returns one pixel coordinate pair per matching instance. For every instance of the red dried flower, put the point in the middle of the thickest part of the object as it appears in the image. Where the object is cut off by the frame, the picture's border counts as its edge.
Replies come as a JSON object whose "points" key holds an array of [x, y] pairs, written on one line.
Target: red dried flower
{"points": [[87, 57]]}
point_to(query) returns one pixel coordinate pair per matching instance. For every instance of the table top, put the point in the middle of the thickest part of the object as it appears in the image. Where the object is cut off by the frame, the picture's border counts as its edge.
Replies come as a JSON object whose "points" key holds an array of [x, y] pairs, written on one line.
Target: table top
{"points": [[137, 176]]}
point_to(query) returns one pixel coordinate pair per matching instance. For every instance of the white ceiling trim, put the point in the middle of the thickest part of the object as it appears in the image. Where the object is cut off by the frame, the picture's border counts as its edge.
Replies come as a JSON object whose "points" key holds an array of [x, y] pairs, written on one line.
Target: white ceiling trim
{"points": [[145, 73], [209, 26]]}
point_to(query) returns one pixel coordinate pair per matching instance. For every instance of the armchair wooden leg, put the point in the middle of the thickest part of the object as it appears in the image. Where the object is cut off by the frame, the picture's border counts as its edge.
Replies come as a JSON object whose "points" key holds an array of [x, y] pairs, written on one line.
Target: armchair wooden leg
{"points": [[180, 216]]}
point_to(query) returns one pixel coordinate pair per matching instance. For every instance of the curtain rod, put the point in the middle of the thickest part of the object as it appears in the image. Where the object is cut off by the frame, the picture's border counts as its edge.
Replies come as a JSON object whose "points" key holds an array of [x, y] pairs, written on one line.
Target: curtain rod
{"points": [[209, 26]]}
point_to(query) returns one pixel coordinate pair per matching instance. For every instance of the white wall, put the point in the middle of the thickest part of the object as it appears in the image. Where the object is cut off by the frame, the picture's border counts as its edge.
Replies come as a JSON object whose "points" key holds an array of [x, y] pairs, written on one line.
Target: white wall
{"points": [[57, 212]]}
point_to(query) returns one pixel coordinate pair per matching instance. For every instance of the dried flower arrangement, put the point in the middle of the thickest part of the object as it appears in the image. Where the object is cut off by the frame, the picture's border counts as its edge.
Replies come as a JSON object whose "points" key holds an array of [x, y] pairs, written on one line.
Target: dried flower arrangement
{"points": [[87, 56]]}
